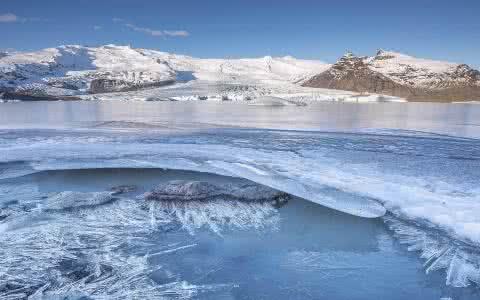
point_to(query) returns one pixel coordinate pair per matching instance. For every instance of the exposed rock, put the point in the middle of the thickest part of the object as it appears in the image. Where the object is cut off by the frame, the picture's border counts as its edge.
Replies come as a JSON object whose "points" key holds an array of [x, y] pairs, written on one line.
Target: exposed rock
{"points": [[181, 190], [25, 96], [66, 83], [402, 76], [353, 74]]}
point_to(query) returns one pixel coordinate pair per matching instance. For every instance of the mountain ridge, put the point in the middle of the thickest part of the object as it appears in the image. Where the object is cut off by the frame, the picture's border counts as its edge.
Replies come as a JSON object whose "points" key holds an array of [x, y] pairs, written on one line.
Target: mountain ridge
{"points": [[67, 72], [400, 75], [70, 72]]}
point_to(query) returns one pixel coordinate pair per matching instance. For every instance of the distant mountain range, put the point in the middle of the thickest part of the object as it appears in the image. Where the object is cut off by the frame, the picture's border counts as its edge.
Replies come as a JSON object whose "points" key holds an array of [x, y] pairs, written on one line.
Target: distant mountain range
{"points": [[70, 72], [402, 76]]}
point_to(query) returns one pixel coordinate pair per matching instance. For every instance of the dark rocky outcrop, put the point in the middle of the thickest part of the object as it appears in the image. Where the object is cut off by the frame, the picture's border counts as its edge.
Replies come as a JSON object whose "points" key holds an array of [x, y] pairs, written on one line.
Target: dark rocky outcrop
{"points": [[181, 190], [25, 96]]}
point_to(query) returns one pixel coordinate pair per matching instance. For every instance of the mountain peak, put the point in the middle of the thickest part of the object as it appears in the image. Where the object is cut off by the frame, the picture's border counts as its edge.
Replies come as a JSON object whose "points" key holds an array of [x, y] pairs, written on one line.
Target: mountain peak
{"points": [[349, 61], [384, 54]]}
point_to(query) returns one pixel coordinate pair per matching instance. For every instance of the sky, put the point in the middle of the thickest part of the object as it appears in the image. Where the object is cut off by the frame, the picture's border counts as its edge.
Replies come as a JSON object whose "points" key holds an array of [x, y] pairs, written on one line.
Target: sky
{"points": [[324, 30]]}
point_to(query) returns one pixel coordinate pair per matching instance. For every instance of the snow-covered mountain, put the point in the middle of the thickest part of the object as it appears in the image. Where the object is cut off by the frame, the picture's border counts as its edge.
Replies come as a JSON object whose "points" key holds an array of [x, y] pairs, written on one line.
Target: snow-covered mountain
{"points": [[401, 75], [110, 72], [247, 69], [67, 72]]}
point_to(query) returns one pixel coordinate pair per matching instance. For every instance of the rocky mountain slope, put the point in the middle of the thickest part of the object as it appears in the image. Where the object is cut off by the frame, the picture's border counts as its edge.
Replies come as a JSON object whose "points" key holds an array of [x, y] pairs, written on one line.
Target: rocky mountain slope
{"points": [[402, 76], [67, 72]]}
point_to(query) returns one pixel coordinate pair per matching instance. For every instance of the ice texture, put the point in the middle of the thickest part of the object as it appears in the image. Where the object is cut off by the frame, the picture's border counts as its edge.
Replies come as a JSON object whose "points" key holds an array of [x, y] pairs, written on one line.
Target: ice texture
{"points": [[104, 252], [71, 200], [460, 261], [417, 177]]}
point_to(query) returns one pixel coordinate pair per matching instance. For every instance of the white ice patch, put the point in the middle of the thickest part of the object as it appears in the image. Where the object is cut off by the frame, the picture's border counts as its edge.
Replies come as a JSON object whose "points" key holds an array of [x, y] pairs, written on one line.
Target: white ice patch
{"points": [[281, 170], [69, 200], [461, 262], [253, 169]]}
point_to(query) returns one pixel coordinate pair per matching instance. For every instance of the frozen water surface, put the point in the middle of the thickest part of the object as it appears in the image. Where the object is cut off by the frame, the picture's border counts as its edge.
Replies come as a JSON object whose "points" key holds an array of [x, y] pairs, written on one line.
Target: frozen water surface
{"points": [[385, 201]]}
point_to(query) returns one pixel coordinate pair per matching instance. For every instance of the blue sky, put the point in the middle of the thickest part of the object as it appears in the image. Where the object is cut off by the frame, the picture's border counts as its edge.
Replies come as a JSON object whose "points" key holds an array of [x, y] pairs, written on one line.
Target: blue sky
{"points": [[448, 30]]}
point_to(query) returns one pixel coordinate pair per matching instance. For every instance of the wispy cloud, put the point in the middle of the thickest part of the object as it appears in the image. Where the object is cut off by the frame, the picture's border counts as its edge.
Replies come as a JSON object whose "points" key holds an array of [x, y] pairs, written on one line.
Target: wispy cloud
{"points": [[153, 32], [182, 33], [97, 27], [9, 18], [12, 18], [145, 30]]}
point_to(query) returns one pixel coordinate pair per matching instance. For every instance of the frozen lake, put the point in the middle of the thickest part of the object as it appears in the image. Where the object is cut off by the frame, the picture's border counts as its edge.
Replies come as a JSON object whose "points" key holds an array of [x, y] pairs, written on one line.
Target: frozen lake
{"points": [[385, 201], [453, 119]]}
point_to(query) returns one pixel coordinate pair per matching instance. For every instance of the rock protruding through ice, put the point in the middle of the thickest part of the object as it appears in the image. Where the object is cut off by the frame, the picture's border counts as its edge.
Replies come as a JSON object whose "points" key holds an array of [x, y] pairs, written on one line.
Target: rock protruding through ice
{"points": [[184, 190]]}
